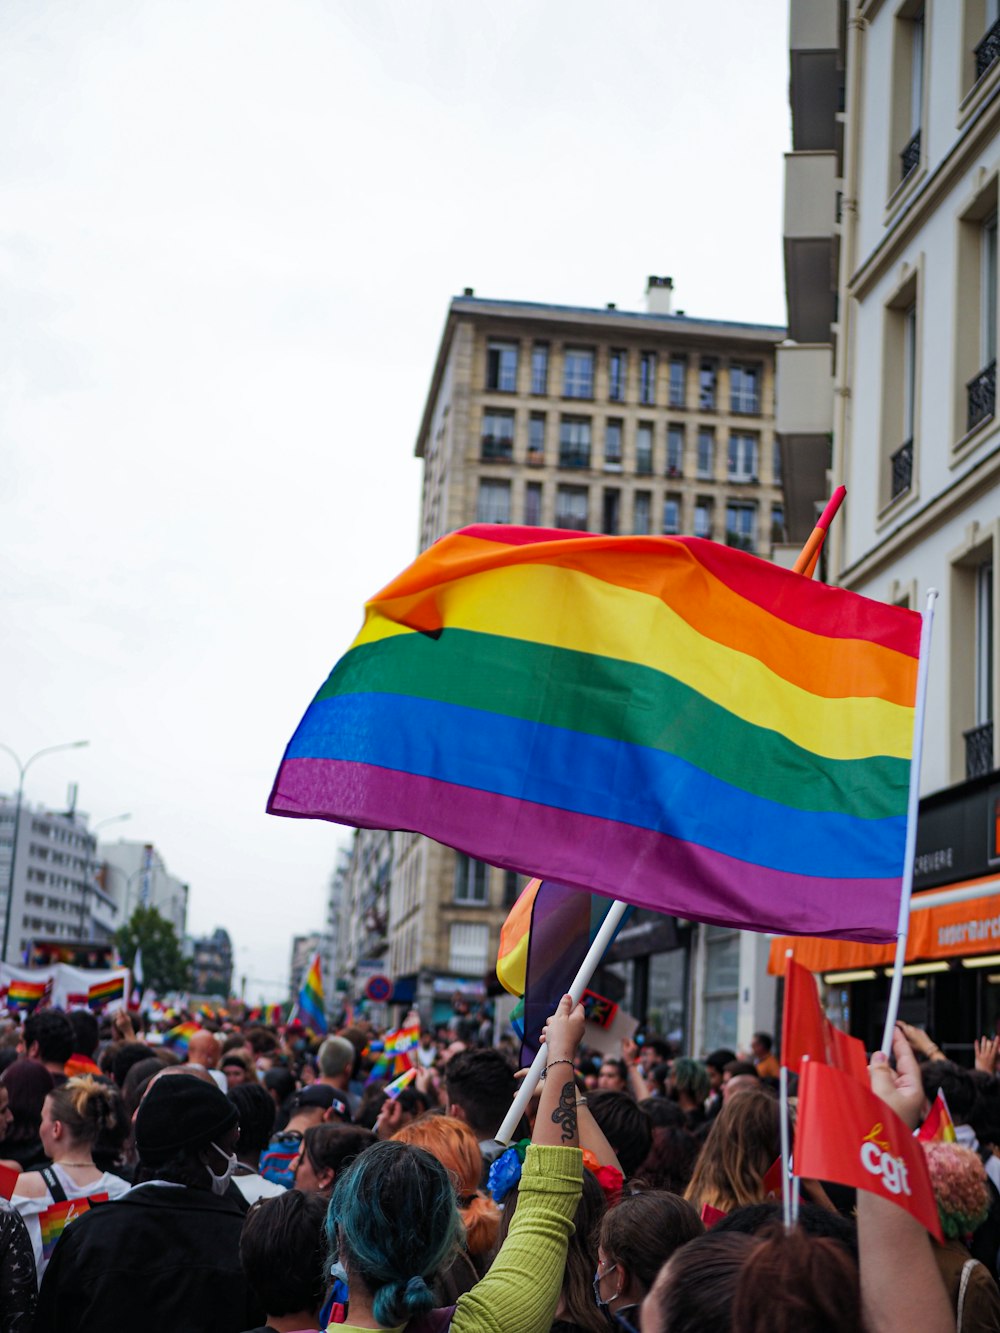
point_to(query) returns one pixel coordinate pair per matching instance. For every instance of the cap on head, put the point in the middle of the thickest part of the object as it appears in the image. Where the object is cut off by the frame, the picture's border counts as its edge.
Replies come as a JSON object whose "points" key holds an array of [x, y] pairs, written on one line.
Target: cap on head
{"points": [[178, 1114], [321, 1095]]}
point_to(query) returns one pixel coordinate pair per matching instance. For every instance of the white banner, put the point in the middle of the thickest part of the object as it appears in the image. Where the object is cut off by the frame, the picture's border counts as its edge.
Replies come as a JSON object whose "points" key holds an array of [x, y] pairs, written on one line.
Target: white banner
{"points": [[70, 985]]}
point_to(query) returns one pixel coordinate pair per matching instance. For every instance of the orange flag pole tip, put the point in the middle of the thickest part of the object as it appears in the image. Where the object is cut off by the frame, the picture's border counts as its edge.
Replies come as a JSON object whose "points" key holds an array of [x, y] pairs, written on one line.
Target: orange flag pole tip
{"points": [[809, 555]]}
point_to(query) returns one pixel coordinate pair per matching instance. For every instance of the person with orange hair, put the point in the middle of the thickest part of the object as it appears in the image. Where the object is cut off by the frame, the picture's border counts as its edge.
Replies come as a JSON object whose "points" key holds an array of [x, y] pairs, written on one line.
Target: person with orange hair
{"points": [[456, 1147]]}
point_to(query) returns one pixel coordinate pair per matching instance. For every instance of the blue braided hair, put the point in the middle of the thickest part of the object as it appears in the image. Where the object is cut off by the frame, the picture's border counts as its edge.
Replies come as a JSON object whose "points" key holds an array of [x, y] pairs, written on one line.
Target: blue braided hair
{"points": [[394, 1216]]}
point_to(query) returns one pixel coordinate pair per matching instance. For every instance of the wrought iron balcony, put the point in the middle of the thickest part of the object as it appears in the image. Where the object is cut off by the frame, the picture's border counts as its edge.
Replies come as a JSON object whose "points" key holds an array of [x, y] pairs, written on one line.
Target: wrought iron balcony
{"points": [[979, 750], [496, 450], [578, 458], [910, 155], [982, 394], [902, 468], [988, 51]]}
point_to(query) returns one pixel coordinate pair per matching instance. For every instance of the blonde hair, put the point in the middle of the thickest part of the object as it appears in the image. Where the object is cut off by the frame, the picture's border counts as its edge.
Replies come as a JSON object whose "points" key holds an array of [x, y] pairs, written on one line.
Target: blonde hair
{"points": [[86, 1107], [741, 1145], [456, 1147]]}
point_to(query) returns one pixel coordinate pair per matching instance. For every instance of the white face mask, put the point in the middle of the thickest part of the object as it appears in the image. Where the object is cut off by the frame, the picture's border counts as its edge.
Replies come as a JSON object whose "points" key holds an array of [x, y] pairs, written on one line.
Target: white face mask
{"points": [[220, 1183]]}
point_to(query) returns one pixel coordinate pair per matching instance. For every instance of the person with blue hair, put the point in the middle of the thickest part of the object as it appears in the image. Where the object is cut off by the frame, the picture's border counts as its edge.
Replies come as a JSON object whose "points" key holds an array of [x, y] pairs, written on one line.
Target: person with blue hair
{"points": [[394, 1223]]}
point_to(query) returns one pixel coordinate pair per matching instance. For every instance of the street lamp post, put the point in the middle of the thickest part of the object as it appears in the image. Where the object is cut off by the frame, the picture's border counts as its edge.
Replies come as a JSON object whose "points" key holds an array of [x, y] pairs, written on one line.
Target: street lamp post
{"points": [[21, 770]]}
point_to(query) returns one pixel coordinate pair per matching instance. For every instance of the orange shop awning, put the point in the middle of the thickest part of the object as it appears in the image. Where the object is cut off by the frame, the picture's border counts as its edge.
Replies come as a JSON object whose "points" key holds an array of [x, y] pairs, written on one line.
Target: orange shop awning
{"points": [[946, 930]]}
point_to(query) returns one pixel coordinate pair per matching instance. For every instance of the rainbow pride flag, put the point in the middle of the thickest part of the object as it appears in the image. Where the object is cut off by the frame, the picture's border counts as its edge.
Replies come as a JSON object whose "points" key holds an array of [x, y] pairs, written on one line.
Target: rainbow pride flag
{"points": [[54, 1220], [177, 1038], [542, 944], [311, 1011], [27, 994], [661, 719], [105, 992]]}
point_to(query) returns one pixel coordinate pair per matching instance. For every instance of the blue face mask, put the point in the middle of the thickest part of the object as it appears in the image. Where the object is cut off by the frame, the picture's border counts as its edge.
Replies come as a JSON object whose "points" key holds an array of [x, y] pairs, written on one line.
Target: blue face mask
{"points": [[599, 1277]]}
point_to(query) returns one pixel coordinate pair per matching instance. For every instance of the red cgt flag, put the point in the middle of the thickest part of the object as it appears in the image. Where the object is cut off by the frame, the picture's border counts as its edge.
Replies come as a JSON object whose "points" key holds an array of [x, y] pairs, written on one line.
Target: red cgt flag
{"points": [[806, 1030], [847, 1134]]}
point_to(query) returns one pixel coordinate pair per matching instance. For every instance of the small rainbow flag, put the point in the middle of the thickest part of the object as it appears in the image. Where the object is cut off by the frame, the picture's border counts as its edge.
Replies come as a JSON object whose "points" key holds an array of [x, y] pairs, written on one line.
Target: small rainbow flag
{"points": [[939, 1126], [105, 992], [665, 720], [398, 1084], [394, 1060], [311, 1011], [54, 1221], [177, 1038], [26, 994], [275, 1015]]}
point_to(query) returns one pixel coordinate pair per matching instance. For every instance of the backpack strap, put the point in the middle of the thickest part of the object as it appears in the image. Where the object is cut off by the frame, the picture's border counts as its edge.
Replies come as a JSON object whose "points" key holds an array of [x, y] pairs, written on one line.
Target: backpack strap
{"points": [[962, 1288], [52, 1181]]}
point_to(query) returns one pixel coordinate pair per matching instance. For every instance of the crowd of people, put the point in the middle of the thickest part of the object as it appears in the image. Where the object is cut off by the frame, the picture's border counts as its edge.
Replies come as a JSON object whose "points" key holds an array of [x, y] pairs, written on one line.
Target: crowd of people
{"points": [[265, 1180]]}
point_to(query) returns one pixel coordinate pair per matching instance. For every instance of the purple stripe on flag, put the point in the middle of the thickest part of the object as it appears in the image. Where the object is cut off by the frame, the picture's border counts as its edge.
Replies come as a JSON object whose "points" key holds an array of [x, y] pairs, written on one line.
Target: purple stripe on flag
{"points": [[641, 866]]}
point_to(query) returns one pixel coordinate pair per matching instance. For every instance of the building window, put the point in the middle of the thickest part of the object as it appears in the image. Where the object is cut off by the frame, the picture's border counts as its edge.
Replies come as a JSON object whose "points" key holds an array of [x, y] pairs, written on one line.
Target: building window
{"points": [[571, 508], [540, 368], [578, 373], [899, 381], [984, 642], [671, 516], [613, 445], [742, 456], [982, 388], [678, 381], [511, 887], [644, 449], [975, 347], [469, 946], [707, 376], [703, 517], [744, 389], [611, 511], [493, 503], [647, 378], [908, 90], [471, 885], [574, 442], [498, 436], [675, 451], [722, 989], [706, 454], [536, 439], [501, 367], [973, 657], [776, 463], [986, 50], [741, 524], [533, 504], [641, 510], [617, 370], [778, 533]]}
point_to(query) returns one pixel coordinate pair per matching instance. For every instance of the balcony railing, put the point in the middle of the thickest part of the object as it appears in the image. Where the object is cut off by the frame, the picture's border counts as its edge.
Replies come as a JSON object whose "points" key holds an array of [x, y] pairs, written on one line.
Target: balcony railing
{"points": [[644, 465], [982, 394], [910, 155], [571, 522], [746, 403], [496, 450], [902, 468], [579, 458], [988, 51], [979, 750]]}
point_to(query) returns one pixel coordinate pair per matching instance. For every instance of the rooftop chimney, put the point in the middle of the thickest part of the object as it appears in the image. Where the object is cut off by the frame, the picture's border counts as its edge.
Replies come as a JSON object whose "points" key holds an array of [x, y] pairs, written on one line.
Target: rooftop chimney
{"points": [[659, 295]]}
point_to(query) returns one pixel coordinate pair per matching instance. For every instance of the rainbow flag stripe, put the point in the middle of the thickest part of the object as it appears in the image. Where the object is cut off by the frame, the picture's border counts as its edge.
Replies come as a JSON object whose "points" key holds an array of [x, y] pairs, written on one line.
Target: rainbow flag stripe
{"points": [[660, 719], [54, 1220], [106, 991], [26, 993], [177, 1037], [311, 1005]]}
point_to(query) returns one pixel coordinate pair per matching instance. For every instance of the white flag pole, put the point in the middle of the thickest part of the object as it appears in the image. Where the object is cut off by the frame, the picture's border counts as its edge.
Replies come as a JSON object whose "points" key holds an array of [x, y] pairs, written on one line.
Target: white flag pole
{"points": [[786, 1183], [580, 983], [913, 807]]}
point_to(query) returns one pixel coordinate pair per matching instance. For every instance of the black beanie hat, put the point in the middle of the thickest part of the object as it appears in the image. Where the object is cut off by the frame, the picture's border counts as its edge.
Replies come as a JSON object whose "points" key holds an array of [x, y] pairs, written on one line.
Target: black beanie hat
{"points": [[180, 1111]]}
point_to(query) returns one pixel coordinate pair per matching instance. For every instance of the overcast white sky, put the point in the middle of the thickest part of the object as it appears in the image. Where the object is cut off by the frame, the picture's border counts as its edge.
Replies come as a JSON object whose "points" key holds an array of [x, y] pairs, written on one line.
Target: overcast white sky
{"points": [[229, 231]]}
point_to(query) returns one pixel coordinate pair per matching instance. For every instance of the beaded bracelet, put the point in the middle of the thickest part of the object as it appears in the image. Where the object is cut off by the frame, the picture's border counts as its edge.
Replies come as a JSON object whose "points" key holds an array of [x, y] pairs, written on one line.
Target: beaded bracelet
{"points": [[553, 1063]]}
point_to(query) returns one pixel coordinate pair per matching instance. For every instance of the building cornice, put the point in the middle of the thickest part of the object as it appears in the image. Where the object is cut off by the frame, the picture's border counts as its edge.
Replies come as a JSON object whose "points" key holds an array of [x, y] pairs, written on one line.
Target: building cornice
{"points": [[962, 491]]}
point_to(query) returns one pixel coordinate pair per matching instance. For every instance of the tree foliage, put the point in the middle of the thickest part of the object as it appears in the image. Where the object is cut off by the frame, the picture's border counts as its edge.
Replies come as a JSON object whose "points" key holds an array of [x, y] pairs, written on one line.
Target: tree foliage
{"points": [[164, 967]]}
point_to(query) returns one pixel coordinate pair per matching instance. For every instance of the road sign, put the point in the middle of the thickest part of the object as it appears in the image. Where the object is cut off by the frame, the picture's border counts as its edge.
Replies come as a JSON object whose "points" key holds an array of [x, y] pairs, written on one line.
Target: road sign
{"points": [[379, 989]]}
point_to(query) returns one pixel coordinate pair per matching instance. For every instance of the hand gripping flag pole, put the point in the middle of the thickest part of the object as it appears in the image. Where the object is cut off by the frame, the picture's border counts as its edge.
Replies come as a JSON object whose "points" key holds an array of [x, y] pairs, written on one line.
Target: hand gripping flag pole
{"points": [[580, 983], [913, 806]]}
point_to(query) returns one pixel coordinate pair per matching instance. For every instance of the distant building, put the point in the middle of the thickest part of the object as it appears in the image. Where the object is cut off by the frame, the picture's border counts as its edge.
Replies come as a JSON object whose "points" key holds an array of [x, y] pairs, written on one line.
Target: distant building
{"points": [[135, 874], [212, 964], [58, 896], [304, 950]]}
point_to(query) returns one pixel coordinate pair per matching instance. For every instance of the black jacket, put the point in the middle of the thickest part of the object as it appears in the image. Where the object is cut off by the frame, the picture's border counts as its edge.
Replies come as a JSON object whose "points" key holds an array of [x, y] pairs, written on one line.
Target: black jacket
{"points": [[162, 1258]]}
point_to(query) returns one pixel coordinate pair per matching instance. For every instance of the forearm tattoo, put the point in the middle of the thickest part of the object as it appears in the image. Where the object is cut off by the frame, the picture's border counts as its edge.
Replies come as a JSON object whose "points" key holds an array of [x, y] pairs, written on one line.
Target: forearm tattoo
{"points": [[565, 1112]]}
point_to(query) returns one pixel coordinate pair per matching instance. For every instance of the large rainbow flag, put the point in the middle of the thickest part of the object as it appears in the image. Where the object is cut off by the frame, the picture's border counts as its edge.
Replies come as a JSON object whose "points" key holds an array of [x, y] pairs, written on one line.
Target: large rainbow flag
{"points": [[661, 719], [311, 1005]]}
